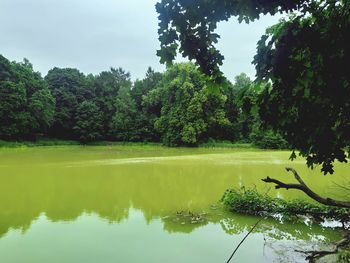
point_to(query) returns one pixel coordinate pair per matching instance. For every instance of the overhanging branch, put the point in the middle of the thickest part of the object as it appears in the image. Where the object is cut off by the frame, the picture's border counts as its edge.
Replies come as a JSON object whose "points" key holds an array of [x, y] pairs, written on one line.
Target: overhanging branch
{"points": [[303, 187]]}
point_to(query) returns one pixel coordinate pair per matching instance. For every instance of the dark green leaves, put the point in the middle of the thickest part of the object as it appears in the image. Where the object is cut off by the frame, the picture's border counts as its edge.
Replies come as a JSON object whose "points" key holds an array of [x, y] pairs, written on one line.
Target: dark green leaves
{"points": [[306, 60], [305, 57], [88, 122], [27, 106], [189, 114], [190, 25]]}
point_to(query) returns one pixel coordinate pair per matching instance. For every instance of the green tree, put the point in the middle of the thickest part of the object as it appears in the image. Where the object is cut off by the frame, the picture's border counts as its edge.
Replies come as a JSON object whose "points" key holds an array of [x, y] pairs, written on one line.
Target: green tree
{"points": [[107, 86], [306, 60], [144, 120], [69, 89], [88, 121], [42, 108], [122, 125], [247, 123], [188, 111], [27, 106], [23, 72], [231, 132], [142, 87], [309, 98], [5, 69], [14, 119], [246, 96]]}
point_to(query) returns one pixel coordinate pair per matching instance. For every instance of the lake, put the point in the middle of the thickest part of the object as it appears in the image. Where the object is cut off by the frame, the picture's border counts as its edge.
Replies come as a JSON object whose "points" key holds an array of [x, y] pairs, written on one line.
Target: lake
{"points": [[125, 204]]}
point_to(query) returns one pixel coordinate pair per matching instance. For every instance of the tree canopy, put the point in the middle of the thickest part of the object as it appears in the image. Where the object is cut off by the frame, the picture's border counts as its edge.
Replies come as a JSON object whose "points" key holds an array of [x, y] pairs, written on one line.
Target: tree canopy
{"points": [[27, 106], [304, 57], [189, 113], [190, 26], [174, 107]]}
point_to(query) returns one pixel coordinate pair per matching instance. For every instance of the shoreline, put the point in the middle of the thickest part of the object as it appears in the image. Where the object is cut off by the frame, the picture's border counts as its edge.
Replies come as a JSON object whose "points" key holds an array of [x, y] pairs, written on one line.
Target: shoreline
{"points": [[59, 142]]}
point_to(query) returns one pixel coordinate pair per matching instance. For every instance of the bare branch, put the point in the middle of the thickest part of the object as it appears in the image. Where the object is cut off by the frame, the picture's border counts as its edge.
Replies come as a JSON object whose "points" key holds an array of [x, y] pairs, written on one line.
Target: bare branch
{"points": [[303, 187], [240, 243]]}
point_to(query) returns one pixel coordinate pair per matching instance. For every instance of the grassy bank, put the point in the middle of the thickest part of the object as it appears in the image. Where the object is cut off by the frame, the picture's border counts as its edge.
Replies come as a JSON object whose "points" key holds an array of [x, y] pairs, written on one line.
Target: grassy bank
{"points": [[226, 144], [42, 142], [57, 142]]}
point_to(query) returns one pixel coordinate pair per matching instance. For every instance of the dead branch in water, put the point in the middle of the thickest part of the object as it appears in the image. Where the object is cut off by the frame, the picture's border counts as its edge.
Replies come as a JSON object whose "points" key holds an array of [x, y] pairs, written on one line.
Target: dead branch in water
{"points": [[316, 254], [343, 243], [304, 188]]}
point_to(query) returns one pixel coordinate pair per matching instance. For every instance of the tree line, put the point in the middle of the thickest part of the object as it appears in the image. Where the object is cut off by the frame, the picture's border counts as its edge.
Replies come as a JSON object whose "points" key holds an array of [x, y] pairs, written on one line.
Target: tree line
{"points": [[179, 107]]}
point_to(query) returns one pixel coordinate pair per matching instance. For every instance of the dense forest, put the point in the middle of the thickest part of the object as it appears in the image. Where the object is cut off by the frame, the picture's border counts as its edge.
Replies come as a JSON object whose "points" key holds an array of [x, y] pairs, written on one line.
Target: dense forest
{"points": [[177, 107]]}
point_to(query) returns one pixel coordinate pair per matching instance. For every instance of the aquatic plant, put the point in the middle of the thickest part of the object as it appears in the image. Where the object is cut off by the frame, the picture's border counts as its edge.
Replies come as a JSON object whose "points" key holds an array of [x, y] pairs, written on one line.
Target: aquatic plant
{"points": [[250, 201]]}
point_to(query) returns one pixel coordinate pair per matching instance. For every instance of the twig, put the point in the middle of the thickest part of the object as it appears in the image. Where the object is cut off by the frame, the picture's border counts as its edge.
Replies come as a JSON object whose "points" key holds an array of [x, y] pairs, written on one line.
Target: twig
{"points": [[240, 243]]}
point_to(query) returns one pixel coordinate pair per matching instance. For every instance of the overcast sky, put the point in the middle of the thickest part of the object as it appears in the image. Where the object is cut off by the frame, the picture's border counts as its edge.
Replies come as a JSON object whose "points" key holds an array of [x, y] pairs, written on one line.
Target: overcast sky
{"points": [[94, 35]]}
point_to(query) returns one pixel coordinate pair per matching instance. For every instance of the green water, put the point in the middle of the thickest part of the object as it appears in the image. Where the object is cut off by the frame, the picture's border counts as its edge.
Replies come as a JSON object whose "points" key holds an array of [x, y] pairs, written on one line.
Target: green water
{"points": [[119, 204]]}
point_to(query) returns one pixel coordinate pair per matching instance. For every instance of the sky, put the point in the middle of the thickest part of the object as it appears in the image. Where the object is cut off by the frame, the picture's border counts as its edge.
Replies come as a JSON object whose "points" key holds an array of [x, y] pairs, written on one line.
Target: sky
{"points": [[95, 35]]}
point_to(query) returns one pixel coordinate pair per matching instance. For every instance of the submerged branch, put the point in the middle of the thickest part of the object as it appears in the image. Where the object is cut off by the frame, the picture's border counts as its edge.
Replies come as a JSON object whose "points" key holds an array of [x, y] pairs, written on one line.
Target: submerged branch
{"points": [[315, 254], [303, 187]]}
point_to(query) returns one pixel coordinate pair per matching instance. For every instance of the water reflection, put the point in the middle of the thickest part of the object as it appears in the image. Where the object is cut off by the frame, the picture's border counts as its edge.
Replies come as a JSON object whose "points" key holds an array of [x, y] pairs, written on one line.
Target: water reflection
{"points": [[66, 184]]}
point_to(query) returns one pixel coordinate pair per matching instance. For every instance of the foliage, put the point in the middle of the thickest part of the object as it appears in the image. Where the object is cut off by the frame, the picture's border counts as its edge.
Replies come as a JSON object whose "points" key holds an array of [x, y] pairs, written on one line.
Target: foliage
{"points": [[268, 140], [176, 107], [250, 201], [107, 85], [305, 57], [59, 142], [142, 87], [88, 122], [42, 108], [123, 119], [188, 111], [27, 106], [211, 143], [344, 256], [246, 93], [309, 100], [67, 86], [147, 112], [189, 26], [13, 114], [39, 142], [248, 121]]}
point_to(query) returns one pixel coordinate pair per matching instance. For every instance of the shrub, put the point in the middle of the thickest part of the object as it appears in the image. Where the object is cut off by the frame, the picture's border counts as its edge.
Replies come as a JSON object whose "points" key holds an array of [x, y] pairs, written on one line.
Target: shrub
{"points": [[268, 140], [250, 201]]}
